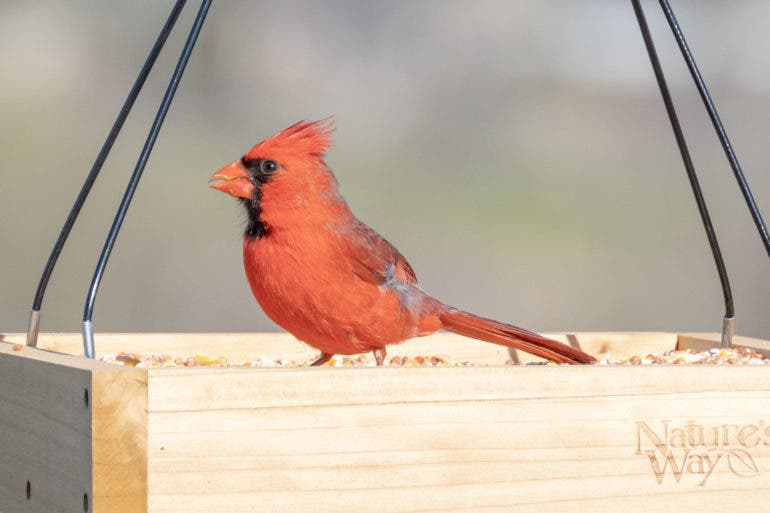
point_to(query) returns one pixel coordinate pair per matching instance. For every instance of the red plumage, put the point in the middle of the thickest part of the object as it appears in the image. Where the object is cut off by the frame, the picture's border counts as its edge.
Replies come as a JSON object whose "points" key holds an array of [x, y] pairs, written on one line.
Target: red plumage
{"points": [[325, 276]]}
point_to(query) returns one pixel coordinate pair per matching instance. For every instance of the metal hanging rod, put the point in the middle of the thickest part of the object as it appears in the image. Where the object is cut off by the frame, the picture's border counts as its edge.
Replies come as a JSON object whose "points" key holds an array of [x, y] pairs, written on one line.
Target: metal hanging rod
{"points": [[34, 316], [727, 323], [87, 325], [717, 122]]}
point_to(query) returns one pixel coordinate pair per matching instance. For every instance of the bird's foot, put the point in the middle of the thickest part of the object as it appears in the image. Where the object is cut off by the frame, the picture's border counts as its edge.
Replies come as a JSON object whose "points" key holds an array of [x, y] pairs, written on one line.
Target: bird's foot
{"points": [[379, 356], [325, 357]]}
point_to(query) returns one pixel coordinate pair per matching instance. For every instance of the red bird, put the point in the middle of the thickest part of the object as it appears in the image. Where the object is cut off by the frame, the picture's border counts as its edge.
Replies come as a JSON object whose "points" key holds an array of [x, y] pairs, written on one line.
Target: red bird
{"points": [[326, 277]]}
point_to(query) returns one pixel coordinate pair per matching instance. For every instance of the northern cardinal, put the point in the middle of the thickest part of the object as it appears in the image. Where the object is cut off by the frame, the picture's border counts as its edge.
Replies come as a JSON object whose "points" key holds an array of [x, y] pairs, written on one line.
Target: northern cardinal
{"points": [[326, 277]]}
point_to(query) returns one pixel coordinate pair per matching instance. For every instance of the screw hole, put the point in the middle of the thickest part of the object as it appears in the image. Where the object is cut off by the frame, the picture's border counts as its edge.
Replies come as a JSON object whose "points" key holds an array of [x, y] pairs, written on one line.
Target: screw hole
{"points": [[85, 397], [29, 490], [85, 503]]}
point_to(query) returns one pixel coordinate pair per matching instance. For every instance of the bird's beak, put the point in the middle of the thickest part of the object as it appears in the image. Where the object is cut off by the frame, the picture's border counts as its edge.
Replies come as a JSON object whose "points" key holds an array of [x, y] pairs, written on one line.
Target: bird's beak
{"points": [[233, 179]]}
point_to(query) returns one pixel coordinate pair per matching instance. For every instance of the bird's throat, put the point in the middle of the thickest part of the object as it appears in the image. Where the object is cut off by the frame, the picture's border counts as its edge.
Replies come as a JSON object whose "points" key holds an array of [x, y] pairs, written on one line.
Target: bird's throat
{"points": [[255, 227]]}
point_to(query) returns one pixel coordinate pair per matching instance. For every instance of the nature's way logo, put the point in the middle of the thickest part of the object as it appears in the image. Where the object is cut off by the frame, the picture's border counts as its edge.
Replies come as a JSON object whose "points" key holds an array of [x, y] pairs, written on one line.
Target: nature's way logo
{"points": [[700, 450]]}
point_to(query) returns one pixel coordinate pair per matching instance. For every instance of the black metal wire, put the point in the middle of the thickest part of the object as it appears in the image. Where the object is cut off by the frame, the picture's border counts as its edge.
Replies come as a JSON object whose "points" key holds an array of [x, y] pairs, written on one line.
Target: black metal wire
{"points": [[104, 152], [717, 122], [688, 165], [143, 157]]}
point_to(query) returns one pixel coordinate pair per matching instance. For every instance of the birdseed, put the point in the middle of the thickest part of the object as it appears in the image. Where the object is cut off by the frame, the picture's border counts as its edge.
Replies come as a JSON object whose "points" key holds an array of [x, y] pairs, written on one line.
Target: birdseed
{"points": [[715, 356]]}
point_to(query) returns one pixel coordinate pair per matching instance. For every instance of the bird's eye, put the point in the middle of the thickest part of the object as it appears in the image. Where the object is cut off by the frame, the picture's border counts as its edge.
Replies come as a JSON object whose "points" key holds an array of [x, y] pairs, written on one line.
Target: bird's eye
{"points": [[268, 166]]}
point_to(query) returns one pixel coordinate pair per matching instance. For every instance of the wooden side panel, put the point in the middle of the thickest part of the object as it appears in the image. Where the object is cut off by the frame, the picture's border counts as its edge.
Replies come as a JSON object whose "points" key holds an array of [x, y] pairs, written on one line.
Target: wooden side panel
{"points": [[119, 415], [45, 432], [523, 439]]}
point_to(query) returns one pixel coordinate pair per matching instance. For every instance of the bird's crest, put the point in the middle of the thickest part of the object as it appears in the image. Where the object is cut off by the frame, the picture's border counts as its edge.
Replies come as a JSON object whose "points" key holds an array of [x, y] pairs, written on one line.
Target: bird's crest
{"points": [[306, 138]]}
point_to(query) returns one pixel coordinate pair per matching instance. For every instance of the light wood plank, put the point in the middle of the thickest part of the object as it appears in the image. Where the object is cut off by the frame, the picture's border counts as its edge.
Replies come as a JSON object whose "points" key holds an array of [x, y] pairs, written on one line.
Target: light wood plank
{"points": [[75, 429], [217, 388], [555, 438], [119, 420], [559, 439]]}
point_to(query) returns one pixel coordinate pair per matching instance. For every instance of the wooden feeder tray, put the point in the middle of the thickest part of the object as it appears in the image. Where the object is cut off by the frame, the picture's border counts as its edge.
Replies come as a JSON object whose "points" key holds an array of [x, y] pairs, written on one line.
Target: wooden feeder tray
{"points": [[80, 434], [85, 435]]}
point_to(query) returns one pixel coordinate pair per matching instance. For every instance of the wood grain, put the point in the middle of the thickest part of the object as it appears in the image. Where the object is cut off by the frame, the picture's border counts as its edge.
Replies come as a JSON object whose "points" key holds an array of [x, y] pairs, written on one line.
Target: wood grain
{"points": [[557, 439], [119, 420], [75, 429], [392, 440], [45, 431]]}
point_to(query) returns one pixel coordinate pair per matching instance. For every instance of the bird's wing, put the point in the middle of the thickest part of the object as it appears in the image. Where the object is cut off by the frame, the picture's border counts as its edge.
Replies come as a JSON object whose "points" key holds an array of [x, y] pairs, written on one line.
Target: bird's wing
{"points": [[376, 260]]}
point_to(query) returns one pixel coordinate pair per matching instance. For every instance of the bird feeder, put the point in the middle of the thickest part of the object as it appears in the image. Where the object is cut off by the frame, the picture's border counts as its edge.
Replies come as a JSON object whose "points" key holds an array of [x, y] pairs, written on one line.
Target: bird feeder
{"points": [[472, 427]]}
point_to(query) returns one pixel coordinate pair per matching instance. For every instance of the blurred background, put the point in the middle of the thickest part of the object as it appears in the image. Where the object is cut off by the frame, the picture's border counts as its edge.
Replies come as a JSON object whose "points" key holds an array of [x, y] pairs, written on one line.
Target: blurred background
{"points": [[518, 154]]}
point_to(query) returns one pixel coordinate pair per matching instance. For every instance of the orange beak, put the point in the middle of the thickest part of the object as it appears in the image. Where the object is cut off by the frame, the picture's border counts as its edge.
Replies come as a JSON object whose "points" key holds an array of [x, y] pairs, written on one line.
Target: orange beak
{"points": [[233, 179]]}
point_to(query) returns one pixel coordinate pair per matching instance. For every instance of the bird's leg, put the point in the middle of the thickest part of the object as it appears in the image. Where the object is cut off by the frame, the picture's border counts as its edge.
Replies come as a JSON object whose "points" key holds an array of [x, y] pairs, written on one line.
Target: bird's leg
{"points": [[325, 357], [379, 356]]}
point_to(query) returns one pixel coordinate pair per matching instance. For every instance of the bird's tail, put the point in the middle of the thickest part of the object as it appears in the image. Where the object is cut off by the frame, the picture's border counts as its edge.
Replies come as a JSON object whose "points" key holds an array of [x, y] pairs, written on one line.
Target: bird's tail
{"points": [[511, 336]]}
